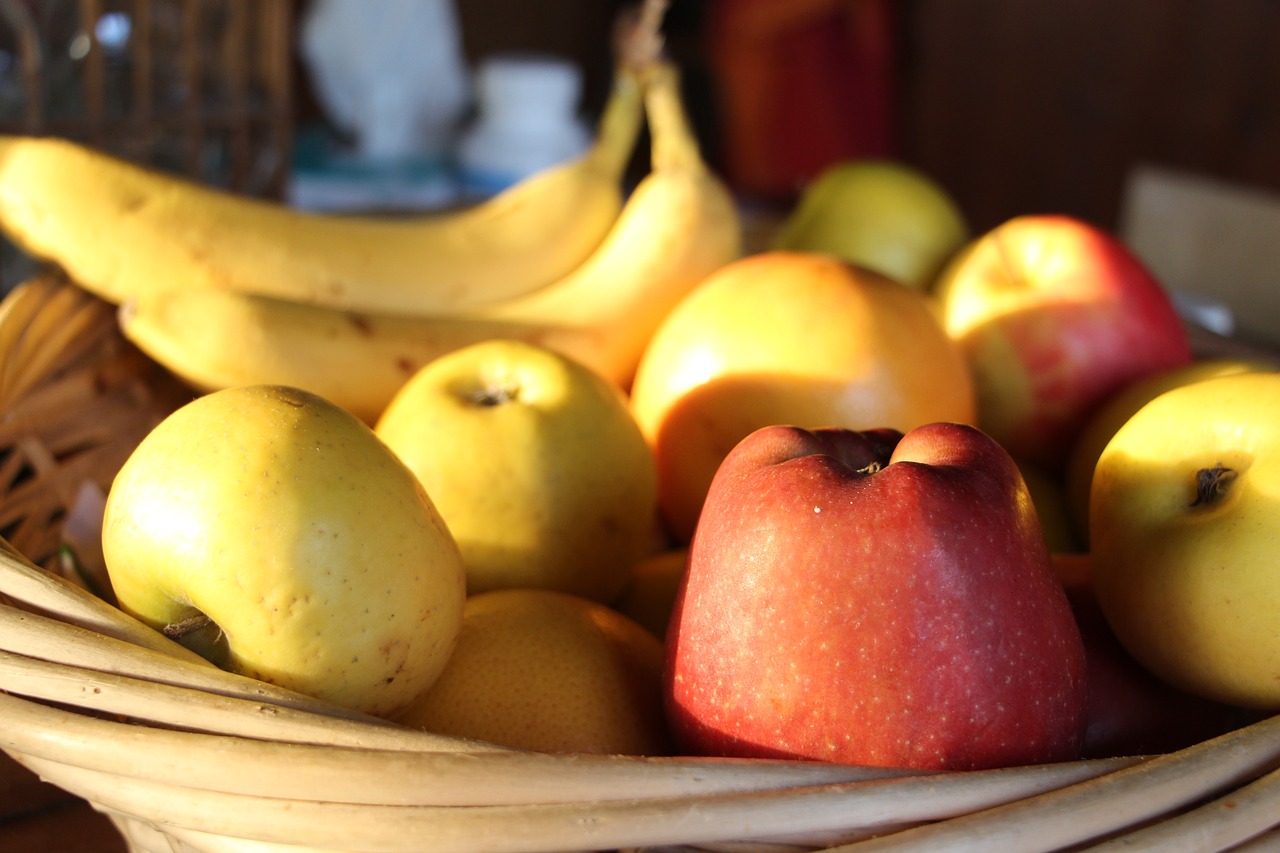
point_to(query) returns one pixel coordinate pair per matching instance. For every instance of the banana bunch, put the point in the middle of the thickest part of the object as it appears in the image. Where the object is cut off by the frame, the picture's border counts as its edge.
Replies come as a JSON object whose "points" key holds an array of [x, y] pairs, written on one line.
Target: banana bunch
{"points": [[678, 225], [122, 231]]}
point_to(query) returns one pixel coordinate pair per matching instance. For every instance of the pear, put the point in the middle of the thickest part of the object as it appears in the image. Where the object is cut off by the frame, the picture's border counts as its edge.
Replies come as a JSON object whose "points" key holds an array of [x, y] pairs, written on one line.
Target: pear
{"points": [[881, 214]]}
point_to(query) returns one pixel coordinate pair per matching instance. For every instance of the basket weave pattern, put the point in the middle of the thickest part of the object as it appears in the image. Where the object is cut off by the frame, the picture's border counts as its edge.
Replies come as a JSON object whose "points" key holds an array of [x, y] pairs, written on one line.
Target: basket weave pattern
{"points": [[75, 399], [200, 87], [186, 757]]}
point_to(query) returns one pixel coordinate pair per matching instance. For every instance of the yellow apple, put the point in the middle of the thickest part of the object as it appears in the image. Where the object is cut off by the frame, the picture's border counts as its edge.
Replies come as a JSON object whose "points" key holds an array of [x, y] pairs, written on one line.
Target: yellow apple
{"points": [[273, 532], [1184, 523], [881, 214], [1117, 409], [798, 338], [552, 672], [536, 464]]}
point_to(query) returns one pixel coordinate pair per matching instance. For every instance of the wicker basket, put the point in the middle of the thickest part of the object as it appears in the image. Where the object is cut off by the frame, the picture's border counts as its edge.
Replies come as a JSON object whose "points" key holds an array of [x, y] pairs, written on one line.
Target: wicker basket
{"points": [[185, 757], [75, 398], [201, 87]]}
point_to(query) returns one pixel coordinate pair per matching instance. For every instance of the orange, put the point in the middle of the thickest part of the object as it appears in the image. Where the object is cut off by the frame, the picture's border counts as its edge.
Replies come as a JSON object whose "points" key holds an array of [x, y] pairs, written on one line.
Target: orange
{"points": [[552, 672], [798, 338]]}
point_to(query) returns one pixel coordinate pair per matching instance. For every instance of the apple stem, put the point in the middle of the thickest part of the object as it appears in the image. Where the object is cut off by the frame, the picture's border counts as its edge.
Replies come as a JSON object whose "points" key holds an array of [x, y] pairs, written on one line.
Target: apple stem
{"points": [[492, 396], [186, 627], [1212, 483]]}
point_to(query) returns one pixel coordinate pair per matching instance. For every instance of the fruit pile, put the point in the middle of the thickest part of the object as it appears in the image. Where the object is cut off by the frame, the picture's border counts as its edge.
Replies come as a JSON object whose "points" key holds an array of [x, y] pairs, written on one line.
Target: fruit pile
{"points": [[571, 471]]}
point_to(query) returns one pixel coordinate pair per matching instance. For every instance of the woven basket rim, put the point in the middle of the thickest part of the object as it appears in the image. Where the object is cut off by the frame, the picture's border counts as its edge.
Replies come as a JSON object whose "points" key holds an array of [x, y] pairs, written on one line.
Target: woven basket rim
{"points": [[103, 706]]}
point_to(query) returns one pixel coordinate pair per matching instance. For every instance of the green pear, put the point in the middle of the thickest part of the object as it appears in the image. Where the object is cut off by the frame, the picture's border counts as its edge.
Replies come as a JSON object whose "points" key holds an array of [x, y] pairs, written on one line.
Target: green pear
{"points": [[881, 214]]}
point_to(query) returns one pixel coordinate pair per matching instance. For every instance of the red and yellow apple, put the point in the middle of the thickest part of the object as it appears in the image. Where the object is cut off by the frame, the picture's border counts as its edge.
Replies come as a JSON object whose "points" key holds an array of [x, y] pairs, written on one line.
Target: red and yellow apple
{"points": [[873, 598], [788, 338], [1054, 315], [1184, 522]]}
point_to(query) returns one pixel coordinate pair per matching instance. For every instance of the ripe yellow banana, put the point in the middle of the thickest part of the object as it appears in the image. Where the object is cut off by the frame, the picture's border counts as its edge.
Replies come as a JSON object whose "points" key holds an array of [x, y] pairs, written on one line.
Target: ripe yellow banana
{"points": [[678, 226], [122, 231]]}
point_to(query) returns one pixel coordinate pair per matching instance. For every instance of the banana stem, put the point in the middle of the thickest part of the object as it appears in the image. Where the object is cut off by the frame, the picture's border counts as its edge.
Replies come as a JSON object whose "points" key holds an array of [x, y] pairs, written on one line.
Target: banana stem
{"points": [[619, 126], [674, 144], [642, 44]]}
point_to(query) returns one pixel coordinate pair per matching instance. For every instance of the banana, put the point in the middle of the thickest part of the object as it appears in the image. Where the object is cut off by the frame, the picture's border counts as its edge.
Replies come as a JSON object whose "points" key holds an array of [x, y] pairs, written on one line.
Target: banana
{"points": [[678, 225], [123, 231]]}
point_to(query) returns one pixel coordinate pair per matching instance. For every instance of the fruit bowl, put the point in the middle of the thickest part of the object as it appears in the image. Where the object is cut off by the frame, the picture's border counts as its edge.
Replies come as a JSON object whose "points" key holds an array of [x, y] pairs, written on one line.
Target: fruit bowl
{"points": [[183, 756]]}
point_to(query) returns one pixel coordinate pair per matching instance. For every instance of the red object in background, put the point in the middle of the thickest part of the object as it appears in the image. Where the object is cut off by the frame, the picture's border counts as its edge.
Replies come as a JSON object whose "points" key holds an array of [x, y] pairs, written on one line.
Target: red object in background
{"points": [[800, 85]]}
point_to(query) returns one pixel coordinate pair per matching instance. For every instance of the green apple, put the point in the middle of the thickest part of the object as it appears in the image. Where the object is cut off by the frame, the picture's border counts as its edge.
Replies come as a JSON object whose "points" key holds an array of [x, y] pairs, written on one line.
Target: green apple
{"points": [[536, 464], [881, 214], [1184, 528], [272, 531]]}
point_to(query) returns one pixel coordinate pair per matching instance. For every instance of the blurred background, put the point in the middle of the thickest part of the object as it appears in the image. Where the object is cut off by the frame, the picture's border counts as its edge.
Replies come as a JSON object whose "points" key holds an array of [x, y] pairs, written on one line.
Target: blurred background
{"points": [[1157, 119], [1013, 106]]}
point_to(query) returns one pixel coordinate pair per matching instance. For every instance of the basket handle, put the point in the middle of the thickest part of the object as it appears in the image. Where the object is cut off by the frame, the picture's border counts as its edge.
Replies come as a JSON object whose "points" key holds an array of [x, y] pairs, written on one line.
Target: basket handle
{"points": [[31, 56]]}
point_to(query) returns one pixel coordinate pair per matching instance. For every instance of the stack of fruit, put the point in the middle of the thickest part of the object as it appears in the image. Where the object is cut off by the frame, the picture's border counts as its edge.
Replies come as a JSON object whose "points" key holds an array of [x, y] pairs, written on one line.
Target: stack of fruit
{"points": [[913, 588], [568, 472]]}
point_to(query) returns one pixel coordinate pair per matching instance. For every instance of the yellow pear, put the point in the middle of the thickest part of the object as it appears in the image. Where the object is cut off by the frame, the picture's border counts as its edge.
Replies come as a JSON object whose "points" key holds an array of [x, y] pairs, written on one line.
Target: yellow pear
{"points": [[552, 672]]}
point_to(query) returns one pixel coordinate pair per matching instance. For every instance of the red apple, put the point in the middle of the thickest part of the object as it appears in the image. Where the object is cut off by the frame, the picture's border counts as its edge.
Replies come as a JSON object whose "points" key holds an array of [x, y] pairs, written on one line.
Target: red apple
{"points": [[874, 598], [1054, 315], [1131, 712]]}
